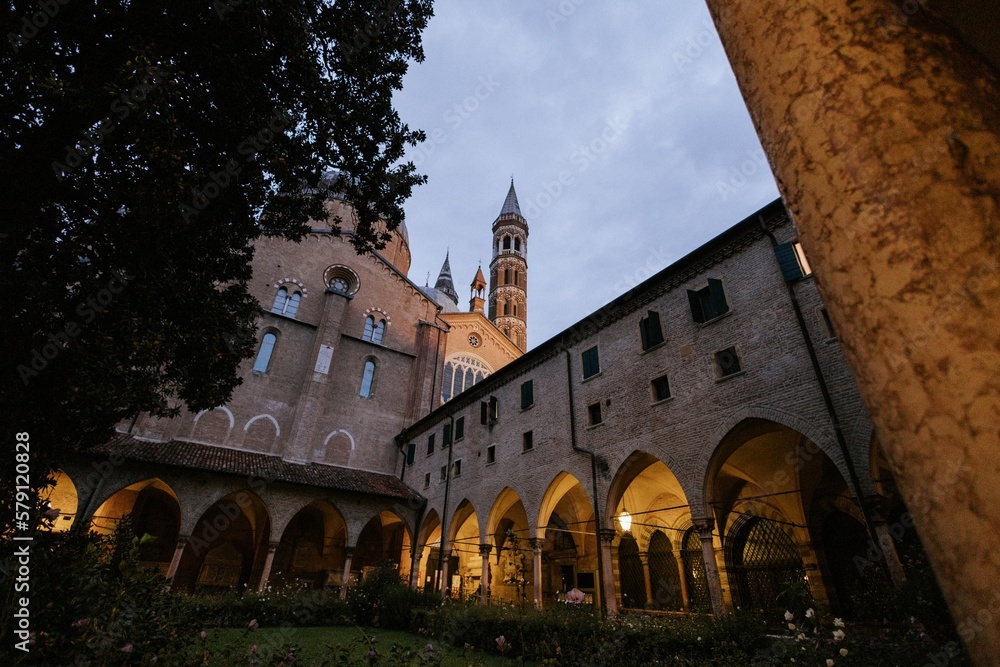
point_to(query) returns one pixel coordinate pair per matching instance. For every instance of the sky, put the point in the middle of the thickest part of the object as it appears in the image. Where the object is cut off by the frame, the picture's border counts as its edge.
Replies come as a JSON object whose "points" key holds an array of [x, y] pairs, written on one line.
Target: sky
{"points": [[622, 127]]}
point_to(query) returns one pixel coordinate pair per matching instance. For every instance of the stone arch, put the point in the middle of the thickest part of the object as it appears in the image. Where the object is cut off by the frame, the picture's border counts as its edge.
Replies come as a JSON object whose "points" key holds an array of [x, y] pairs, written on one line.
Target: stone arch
{"points": [[562, 484], [312, 547], [62, 495], [155, 511], [337, 449], [507, 501], [261, 432], [213, 426], [637, 464], [464, 538]]}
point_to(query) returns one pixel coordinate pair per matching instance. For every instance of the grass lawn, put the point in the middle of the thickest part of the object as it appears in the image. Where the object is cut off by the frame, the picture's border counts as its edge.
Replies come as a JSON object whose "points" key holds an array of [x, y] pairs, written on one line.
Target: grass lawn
{"points": [[313, 646]]}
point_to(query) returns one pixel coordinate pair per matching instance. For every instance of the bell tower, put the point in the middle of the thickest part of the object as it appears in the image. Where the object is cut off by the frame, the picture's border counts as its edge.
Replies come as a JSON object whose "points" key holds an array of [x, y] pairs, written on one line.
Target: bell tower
{"points": [[477, 301], [508, 300]]}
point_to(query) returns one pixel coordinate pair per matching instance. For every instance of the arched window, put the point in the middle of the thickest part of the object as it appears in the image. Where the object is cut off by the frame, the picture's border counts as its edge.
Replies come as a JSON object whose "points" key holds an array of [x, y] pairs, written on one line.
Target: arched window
{"points": [[506, 307], [367, 379], [374, 331], [515, 310], [517, 243], [506, 276], [517, 277], [285, 304], [264, 353], [460, 373], [506, 243]]}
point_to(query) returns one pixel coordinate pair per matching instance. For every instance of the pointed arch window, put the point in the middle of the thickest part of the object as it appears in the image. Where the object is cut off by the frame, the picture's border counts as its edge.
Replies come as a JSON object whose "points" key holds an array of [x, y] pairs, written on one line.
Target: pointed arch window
{"points": [[263, 361], [367, 379], [374, 331], [517, 243], [506, 276], [286, 304], [506, 243]]}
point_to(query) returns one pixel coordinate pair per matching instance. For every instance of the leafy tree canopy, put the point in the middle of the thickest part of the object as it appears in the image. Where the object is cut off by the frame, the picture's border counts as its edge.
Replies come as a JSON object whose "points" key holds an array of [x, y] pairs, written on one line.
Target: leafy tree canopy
{"points": [[144, 147]]}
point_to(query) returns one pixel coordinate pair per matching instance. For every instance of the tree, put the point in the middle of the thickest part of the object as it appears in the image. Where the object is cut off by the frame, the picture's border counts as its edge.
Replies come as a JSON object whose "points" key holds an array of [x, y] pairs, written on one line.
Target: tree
{"points": [[145, 146]]}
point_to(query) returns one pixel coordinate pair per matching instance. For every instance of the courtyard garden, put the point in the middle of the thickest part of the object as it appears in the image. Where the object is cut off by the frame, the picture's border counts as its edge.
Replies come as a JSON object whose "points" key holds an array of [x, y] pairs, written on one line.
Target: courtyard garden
{"points": [[96, 606]]}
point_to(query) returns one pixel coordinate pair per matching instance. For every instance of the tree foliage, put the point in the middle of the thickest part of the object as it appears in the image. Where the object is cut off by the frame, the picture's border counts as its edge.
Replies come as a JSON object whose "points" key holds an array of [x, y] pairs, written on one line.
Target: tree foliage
{"points": [[144, 147]]}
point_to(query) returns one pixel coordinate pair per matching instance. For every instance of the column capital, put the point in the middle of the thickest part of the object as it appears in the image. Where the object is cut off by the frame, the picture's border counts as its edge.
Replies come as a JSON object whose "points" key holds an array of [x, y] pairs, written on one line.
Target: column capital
{"points": [[705, 526], [182, 540], [485, 549], [349, 551], [273, 546], [536, 543], [606, 534]]}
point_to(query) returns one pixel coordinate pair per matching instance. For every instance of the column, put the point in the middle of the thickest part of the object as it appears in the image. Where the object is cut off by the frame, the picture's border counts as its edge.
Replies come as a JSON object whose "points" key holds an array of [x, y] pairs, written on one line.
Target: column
{"points": [[175, 562], [418, 553], [644, 558], [705, 527], [536, 570], [484, 577], [606, 536], [884, 135], [886, 545], [444, 562], [268, 562], [685, 596], [348, 557]]}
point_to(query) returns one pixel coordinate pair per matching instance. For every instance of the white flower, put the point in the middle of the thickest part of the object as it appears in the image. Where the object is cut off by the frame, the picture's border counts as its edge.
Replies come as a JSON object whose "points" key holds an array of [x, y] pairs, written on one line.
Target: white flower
{"points": [[800, 637], [838, 622], [843, 652], [810, 613], [838, 635], [791, 626], [789, 616], [829, 662]]}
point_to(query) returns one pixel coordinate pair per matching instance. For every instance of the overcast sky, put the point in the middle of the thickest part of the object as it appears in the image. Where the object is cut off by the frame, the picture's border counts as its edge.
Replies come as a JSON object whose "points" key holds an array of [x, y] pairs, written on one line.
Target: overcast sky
{"points": [[621, 124]]}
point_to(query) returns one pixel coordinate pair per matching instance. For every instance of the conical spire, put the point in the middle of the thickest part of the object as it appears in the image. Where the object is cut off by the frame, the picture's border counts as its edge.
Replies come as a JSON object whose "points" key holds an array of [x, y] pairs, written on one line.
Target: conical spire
{"points": [[444, 283], [510, 204], [480, 280]]}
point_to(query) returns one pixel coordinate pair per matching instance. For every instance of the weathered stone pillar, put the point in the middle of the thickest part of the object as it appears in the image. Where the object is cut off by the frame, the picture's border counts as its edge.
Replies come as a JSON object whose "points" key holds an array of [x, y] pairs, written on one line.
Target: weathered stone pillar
{"points": [[685, 596], [536, 569], [484, 577], [644, 557], [268, 562], [884, 135], [175, 562], [606, 536], [445, 562], [705, 527], [348, 557], [418, 553]]}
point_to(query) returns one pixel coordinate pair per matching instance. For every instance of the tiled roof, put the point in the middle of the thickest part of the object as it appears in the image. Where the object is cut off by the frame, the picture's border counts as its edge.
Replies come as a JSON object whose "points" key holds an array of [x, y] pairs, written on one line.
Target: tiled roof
{"points": [[199, 456], [510, 204]]}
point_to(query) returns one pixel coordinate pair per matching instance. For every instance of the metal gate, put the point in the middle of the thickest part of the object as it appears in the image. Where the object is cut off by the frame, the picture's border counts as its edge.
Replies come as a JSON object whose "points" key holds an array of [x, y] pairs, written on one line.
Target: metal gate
{"points": [[694, 572], [630, 576], [763, 562], [664, 577]]}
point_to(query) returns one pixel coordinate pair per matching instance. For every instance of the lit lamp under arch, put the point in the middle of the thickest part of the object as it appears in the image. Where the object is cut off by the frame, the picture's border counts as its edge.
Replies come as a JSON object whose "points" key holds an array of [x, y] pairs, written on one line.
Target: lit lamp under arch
{"points": [[625, 520]]}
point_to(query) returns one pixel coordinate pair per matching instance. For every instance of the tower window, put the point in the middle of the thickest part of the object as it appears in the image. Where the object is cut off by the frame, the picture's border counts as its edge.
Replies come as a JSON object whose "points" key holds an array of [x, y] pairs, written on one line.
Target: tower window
{"points": [[367, 379], [260, 365], [708, 302], [650, 331], [285, 304], [506, 276], [506, 243], [594, 414], [727, 362], [591, 363], [374, 331], [506, 307], [661, 388], [517, 243]]}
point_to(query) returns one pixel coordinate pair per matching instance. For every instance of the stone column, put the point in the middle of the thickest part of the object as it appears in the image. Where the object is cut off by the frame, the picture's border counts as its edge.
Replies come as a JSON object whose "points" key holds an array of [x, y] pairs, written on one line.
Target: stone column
{"points": [[268, 562], [644, 558], [883, 131], [886, 545], [606, 536], [685, 596], [536, 570], [418, 554], [484, 578], [348, 557], [445, 561], [705, 527], [175, 562]]}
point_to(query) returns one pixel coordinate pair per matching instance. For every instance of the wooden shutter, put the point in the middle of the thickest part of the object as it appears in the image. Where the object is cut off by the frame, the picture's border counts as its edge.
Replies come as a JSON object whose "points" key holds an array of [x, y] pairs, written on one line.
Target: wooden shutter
{"points": [[527, 394], [654, 333], [446, 440], [791, 270], [717, 303], [411, 449], [696, 311]]}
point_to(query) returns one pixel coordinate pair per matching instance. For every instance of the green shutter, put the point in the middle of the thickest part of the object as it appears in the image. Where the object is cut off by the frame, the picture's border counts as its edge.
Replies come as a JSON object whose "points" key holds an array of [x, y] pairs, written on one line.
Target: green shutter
{"points": [[527, 394], [446, 440], [459, 428], [411, 449], [644, 333], [696, 312], [654, 333], [789, 263], [717, 303]]}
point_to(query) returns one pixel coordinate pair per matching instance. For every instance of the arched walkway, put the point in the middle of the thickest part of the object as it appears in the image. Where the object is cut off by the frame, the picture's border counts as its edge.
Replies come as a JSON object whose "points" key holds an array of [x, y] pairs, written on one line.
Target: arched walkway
{"points": [[156, 518], [312, 549], [568, 534]]}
